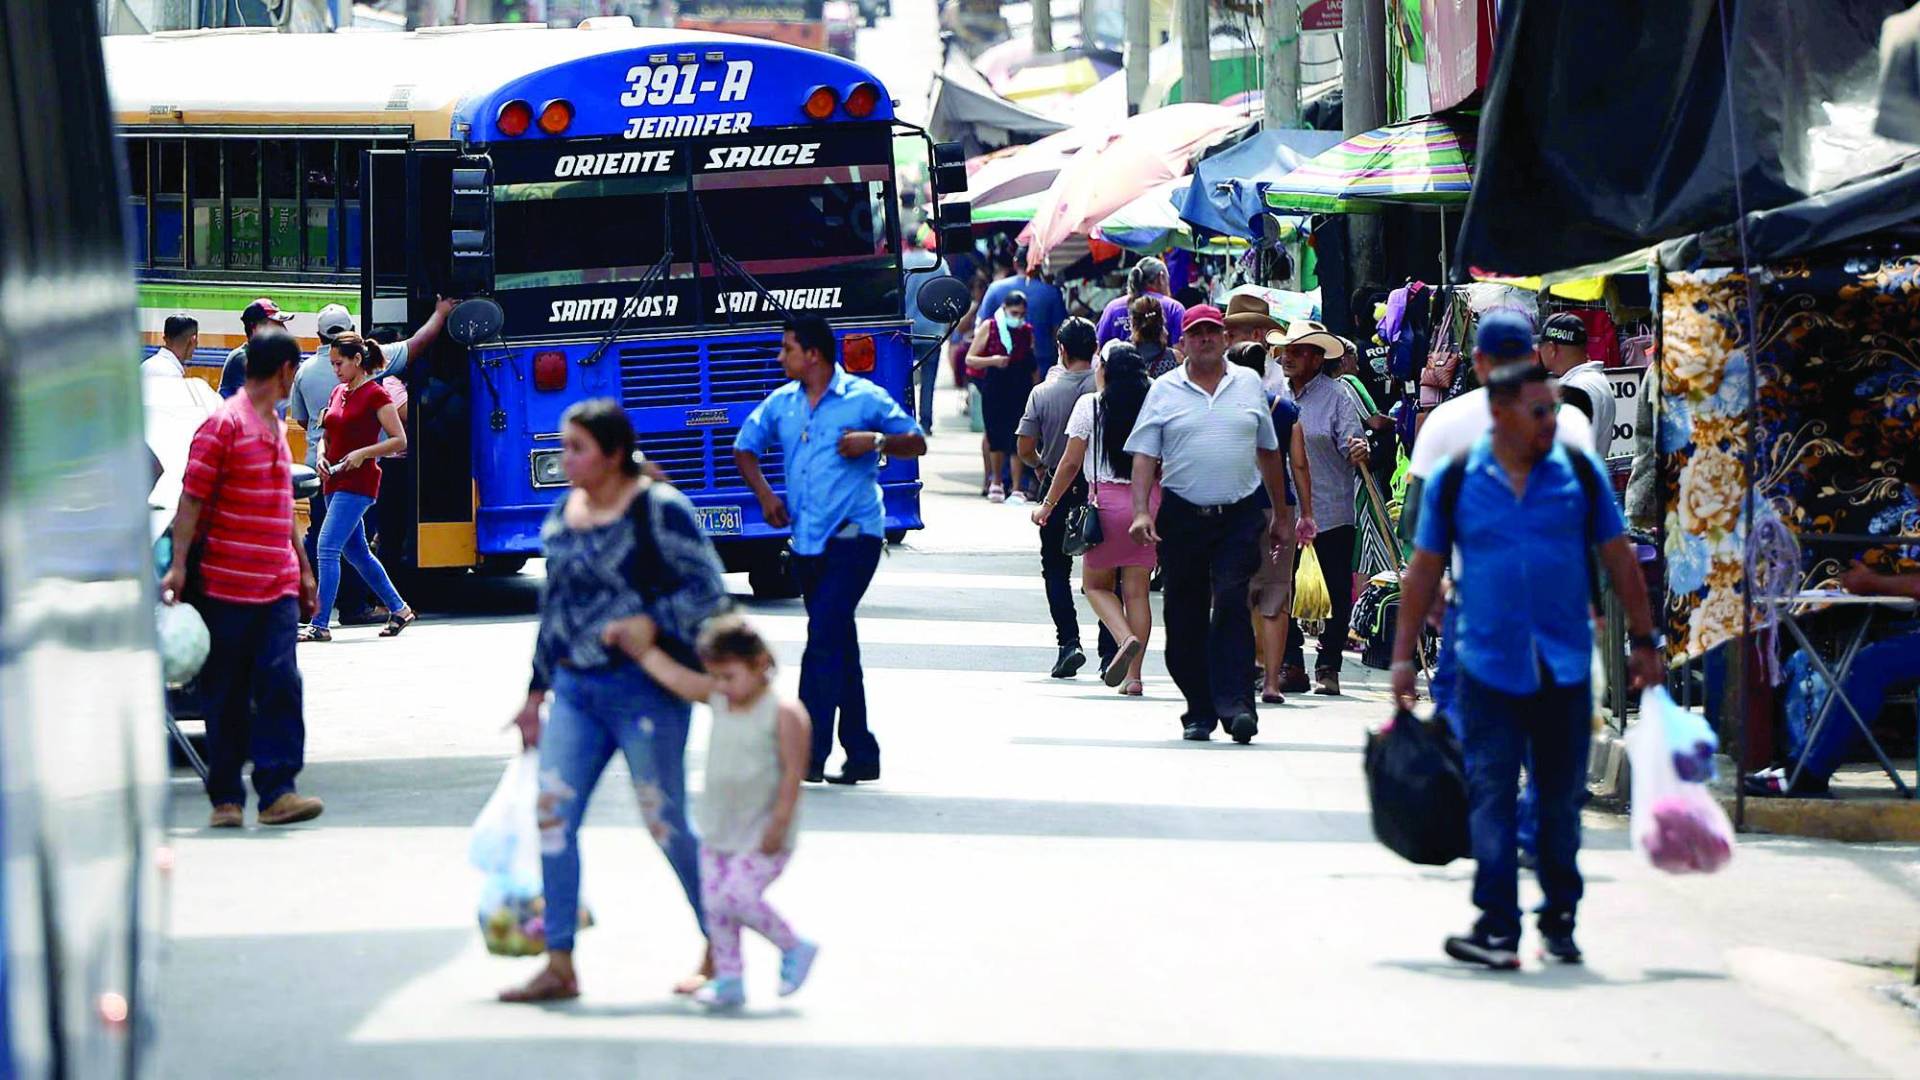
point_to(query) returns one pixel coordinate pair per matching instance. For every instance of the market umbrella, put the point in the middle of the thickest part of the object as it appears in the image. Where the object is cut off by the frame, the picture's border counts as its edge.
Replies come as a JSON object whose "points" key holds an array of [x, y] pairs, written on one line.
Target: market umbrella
{"points": [[1046, 80], [1015, 211], [1121, 164], [1425, 162], [1229, 191], [1024, 170], [1151, 224]]}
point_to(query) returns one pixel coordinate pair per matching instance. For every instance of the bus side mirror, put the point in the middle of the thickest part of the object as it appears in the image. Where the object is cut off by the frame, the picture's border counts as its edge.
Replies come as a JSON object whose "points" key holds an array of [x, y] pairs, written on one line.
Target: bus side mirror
{"points": [[944, 299], [954, 223], [471, 216], [474, 321], [949, 168]]}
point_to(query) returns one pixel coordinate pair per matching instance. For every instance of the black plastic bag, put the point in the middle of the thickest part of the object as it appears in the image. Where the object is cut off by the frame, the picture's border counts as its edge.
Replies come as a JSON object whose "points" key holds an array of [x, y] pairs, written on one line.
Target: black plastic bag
{"points": [[1417, 784]]}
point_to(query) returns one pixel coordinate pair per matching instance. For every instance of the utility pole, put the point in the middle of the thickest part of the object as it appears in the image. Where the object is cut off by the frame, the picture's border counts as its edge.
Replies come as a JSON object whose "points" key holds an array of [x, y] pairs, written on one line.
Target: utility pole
{"points": [[1196, 53], [1364, 85], [1283, 64], [1139, 15], [1042, 27]]}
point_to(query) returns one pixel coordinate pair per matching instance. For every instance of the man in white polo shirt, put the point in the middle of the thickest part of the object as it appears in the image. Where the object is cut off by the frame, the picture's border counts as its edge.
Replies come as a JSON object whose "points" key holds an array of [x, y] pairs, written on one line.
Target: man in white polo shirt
{"points": [[1205, 433], [182, 336], [1583, 382]]}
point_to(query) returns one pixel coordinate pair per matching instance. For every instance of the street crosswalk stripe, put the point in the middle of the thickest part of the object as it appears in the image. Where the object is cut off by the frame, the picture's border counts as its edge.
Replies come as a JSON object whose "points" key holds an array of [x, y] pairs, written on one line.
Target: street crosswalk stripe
{"points": [[790, 629]]}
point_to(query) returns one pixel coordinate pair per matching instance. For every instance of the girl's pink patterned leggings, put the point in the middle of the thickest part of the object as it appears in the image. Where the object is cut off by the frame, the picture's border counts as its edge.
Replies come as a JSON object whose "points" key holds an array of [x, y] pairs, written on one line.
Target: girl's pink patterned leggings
{"points": [[731, 884]]}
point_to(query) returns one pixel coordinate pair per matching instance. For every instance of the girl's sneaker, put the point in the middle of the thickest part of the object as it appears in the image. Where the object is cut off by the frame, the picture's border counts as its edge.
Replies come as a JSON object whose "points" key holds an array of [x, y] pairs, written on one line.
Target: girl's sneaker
{"points": [[727, 992], [795, 963]]}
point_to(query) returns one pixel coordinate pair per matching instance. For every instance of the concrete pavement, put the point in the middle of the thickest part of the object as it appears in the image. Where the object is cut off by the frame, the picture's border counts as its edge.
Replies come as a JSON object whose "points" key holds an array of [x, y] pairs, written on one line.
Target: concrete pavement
{"points": [[1046, 883]]}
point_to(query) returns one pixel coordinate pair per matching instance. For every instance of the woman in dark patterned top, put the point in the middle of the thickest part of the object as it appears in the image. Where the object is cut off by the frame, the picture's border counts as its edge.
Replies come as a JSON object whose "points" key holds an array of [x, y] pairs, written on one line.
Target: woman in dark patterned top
{"points": [[619, 545]]}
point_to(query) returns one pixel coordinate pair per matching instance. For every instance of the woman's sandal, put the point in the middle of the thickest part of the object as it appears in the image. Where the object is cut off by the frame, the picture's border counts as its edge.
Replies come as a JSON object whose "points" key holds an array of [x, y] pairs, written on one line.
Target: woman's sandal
{"points": [[1272, 697], [399, 621], [545, 986], [311, 632]]}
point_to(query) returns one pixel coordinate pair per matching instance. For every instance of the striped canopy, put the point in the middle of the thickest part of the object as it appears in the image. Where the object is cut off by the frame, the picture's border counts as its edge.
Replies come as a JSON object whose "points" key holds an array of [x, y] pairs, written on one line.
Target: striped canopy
{"points": [[1420, 162]]}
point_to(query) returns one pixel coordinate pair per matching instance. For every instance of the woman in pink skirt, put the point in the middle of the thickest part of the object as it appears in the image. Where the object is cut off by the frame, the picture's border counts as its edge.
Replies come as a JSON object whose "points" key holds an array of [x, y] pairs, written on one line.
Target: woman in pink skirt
{"points": [[1116, 572]]}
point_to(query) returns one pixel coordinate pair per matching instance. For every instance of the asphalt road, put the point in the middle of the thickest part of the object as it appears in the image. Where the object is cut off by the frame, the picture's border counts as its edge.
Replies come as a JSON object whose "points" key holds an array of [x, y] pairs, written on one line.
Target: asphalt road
{"points": [[1047, 883]]}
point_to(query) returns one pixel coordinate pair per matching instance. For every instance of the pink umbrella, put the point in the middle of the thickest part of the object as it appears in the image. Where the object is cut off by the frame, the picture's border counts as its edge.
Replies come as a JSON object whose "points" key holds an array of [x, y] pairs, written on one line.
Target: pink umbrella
{"points": [[1119, 164], [1025, 170]]}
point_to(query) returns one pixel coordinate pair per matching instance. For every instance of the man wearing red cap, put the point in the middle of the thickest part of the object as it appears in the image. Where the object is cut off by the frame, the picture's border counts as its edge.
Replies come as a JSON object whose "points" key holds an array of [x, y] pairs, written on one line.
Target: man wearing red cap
{"points": [[261, 313], [1204, 430]]}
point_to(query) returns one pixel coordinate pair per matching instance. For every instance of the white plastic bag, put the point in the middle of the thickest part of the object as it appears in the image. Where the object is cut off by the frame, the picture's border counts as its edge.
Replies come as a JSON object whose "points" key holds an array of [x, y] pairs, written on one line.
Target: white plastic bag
{"points": [[505, 846], [1676, 824], [183, 640]]}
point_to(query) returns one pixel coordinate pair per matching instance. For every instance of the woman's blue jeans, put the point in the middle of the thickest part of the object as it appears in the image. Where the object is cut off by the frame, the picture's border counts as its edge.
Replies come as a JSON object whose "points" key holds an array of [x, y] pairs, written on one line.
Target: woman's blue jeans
{"points": [[344, 535], [594, 713]]}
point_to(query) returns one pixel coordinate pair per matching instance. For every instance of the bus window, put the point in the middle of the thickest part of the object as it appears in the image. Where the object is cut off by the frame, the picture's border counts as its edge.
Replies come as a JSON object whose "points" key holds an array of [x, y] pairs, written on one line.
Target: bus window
{"points": [[566, 253], [243, 204], [281, 175], [320, 172], [137, 199], [169, 201], [207, 225], [347, 234]]}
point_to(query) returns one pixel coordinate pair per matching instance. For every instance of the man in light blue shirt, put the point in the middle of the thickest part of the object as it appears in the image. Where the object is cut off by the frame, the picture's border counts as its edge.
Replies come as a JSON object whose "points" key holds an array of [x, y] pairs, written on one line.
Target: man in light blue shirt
{"points": [[834, 429], [1205, 433], [1523, 520]]}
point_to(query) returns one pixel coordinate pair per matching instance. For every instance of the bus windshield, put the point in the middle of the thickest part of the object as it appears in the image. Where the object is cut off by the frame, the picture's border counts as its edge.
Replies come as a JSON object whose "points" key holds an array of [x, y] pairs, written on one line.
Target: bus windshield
{"points": [[803, 214]]}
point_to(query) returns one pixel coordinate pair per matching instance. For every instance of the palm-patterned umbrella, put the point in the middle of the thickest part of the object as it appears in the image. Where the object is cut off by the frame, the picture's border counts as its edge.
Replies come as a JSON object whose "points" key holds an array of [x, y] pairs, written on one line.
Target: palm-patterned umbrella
{"points": [[1427, 162]]}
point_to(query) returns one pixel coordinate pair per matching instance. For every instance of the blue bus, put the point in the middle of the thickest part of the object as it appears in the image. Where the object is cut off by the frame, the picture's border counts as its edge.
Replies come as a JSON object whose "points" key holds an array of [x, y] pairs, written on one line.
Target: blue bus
{"points": [[646, 207]]}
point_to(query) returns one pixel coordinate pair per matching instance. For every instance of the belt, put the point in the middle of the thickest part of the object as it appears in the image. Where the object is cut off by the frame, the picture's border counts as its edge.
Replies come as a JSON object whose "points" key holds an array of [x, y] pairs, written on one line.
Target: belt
{"points": [[1209, 510]]}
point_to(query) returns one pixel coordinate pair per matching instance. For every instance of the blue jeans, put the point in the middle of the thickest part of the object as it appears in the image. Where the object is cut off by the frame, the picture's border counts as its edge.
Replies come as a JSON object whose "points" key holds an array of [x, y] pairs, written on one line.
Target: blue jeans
{"points": [[1445, 686], [831, 680], [1875, 670], [252, 698], [593, 714], [1501, 729], [344, 535], [353, 595], [929, 377]]}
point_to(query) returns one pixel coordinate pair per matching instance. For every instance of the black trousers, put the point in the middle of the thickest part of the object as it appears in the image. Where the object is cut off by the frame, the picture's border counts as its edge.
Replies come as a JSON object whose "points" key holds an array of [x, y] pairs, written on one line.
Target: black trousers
{"points": [[1207, 556], [1334, 549]]}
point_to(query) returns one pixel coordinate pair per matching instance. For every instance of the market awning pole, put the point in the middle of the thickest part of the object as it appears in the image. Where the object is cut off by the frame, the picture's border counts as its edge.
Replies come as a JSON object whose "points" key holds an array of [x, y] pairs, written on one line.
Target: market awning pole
{"points": [[1443, 245]]}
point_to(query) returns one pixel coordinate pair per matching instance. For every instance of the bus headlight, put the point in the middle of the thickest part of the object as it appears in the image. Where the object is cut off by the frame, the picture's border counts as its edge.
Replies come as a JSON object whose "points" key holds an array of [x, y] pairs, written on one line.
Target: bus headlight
{"points": [[548, 471]]}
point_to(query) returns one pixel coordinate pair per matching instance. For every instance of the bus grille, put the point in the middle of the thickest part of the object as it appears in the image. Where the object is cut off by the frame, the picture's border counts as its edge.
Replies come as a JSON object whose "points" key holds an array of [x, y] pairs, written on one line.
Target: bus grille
{"points": [[727, 475], [659, 375], [683, 454], [743, 371]]}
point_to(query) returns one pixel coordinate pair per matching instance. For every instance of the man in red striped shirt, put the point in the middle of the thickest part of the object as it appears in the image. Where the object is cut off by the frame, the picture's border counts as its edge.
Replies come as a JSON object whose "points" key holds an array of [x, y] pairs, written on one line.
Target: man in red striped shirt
{"points": [[252, 585]]}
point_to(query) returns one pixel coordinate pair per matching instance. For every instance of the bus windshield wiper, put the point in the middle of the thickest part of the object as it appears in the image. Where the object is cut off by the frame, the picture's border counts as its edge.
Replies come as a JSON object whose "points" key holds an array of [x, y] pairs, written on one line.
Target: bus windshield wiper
{"points": [[725, 262], [655, 274]]}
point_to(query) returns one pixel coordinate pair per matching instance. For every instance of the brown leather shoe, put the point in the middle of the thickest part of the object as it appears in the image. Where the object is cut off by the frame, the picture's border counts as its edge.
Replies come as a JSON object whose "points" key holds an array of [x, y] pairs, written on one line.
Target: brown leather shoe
{"points": [[1328, 682], [1293, 680], [227, 816], [290, 808]]}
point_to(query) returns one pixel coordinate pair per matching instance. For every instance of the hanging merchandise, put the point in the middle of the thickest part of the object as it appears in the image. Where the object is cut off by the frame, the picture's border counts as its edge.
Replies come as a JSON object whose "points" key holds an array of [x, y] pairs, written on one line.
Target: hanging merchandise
{"points": [[1443, 361]]}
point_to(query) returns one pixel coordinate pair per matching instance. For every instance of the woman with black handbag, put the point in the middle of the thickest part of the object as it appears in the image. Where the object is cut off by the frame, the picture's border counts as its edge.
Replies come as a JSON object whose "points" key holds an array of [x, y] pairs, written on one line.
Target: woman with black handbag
{"points": [[1099, 530]]}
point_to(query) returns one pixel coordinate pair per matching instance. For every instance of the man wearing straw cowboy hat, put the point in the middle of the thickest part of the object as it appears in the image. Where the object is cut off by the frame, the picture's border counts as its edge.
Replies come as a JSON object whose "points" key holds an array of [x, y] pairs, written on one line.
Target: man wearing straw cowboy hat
{"points": [[1336, 446], [1249, 319]]}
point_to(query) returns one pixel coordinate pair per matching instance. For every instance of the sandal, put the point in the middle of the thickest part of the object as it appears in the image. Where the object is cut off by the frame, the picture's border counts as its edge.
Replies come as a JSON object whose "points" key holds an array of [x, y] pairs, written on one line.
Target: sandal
{"points": [[399, 621], [545, 986], [1272, 697], [311, 632], [1134, 688]]}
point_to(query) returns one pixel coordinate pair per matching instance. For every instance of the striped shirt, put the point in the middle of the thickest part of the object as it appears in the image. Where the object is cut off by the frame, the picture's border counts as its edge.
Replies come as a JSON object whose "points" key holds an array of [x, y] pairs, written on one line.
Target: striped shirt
{"points": [[240, 468], [1206, 443]]}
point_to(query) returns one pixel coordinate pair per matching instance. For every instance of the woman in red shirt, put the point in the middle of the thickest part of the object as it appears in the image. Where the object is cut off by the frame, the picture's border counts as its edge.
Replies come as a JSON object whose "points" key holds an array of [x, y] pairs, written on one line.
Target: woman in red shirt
{"points": [[361, 425]]}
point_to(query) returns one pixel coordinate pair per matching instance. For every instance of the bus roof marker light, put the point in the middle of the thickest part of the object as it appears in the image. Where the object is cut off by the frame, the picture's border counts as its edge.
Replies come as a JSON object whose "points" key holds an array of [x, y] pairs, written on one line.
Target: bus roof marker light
{"points": [[714, 56], [556, 116], [820, 103], [862, 98], [514, 118], [686, 58]]}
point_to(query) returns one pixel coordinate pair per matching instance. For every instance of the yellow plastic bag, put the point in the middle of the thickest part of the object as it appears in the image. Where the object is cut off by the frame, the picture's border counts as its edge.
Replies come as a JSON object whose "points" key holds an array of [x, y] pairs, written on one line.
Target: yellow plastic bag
{"points": [[1311, 603]]}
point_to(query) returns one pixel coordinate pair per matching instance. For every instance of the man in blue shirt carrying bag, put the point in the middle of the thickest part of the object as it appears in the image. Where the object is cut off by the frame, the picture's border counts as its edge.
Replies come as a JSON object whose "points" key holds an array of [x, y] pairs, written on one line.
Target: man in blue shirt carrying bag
{"points": [[1523, 523], [835, 429]]}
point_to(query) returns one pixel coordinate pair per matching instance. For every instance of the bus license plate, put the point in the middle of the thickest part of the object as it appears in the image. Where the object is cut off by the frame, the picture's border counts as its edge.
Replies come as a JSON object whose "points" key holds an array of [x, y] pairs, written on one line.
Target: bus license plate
{"points": [[719, 520]]}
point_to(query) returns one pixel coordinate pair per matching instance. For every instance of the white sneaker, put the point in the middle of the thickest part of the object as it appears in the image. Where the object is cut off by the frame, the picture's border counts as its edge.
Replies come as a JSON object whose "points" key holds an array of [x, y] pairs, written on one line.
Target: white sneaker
{"points": [[1017, 499]]}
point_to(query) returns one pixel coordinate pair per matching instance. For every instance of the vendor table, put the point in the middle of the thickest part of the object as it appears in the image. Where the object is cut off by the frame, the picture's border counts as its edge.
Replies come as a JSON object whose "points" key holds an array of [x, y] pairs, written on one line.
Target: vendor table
{"points": [[1789, 609]]}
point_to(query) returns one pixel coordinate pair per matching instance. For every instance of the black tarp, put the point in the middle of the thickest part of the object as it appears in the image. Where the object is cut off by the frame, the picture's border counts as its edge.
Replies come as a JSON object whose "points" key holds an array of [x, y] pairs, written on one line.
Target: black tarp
{"points": [[1606, 126], [966, 110]]}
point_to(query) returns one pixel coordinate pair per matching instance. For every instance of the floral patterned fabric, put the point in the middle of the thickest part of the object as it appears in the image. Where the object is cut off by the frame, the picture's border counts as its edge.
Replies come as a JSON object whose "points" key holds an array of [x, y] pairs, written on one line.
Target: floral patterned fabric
{"points": [[1837, 362]]}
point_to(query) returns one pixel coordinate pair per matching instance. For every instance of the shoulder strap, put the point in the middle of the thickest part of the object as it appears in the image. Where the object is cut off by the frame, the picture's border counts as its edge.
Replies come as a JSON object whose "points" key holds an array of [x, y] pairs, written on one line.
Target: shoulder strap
{"points": [[648, 572], [1591, 489], [1453, 473]]}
